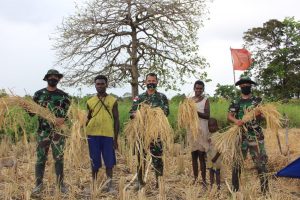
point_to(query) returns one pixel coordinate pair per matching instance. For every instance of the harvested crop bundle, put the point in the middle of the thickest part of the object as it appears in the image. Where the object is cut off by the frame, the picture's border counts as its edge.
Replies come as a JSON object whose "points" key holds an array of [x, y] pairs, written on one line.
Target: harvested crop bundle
{"points": [[148, 125], [188, 116], [29, 105], [228, 142]]}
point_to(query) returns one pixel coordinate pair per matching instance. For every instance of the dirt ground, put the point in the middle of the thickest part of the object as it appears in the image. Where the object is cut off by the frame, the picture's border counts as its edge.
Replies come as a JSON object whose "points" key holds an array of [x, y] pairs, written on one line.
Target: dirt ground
{"points": [[17, 174]]}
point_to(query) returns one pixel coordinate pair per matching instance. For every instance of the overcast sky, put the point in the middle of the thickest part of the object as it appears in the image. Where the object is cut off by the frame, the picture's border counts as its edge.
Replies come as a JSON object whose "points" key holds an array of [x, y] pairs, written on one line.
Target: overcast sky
{"points": [[26, 51]]}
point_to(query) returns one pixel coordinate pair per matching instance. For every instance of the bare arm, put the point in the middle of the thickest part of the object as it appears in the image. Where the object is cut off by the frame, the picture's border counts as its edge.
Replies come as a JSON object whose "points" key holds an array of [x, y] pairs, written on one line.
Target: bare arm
{"points": [[215, 158], [231, 118], [116, 124], [206, 114]]}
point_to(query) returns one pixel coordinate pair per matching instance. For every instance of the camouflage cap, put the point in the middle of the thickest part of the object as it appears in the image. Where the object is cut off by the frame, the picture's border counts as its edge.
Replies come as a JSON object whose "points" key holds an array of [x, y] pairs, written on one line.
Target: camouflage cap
{"points": [[245, 79], [53, 72]]}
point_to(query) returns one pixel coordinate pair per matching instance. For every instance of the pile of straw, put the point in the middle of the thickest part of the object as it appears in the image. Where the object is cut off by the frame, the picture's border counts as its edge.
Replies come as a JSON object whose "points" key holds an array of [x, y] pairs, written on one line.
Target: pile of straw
{"points": [[148, 125], [228, 142], [188, 116]]}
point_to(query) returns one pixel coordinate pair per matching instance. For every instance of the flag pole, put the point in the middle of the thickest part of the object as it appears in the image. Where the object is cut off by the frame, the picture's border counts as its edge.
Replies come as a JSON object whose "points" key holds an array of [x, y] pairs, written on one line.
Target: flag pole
{"points": [[232, 68]]}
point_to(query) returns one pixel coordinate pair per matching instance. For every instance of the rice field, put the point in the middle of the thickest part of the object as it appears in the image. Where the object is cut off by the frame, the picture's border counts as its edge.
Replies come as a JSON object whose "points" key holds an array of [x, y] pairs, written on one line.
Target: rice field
{"points": [[17, 180], [17, 159]]}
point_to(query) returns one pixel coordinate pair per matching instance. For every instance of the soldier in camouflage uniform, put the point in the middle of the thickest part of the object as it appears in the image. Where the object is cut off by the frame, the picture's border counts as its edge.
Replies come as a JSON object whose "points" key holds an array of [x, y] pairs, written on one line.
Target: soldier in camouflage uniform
{"points": [[252, 136], [58, 103], [155, 99]]}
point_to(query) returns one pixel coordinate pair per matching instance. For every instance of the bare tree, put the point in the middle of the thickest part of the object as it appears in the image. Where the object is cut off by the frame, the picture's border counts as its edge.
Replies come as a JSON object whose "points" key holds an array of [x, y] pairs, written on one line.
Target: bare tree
{"points": [[125, 39]]}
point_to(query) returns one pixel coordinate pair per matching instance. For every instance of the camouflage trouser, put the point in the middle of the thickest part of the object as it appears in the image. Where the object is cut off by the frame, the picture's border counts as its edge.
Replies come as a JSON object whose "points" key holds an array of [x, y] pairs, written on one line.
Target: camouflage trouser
{"points": [[257, 151], [45, 139], [156, 151], [258, 154]]}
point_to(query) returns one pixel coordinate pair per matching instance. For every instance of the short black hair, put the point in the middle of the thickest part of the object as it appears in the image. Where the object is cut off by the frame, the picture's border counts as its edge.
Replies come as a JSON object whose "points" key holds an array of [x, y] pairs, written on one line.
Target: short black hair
{"points": [[100, 77], [151, 74], [198, 82]]}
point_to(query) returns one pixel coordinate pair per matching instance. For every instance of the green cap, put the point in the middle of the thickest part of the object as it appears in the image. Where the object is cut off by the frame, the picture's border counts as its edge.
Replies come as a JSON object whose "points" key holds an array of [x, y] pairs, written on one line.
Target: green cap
{"points": [[245, 79], [53, 72]]}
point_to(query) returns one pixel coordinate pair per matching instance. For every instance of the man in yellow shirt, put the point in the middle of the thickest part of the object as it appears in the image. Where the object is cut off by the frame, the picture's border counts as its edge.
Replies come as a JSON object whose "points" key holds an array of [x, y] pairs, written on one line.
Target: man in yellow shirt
{"points": [[102, 129]]}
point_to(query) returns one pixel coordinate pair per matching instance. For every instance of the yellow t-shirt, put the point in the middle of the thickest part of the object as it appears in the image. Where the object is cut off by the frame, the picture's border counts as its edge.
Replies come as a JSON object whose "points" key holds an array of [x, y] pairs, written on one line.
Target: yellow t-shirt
{"points": [[101, 122]]}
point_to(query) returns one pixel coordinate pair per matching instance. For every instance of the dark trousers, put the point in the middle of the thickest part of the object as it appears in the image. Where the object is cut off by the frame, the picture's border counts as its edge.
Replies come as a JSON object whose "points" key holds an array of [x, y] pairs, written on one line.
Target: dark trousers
{"points": [[156, 151]]}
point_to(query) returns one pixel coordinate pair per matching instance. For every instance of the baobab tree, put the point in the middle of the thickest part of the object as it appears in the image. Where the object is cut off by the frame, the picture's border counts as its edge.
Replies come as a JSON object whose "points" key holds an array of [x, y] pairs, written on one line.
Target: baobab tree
{"points": [[126, 39]]}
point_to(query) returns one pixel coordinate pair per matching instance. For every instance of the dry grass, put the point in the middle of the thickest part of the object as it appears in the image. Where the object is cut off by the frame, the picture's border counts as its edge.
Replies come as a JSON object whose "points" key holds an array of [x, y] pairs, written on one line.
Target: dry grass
{"points": [[17, 183], [188, 117]]}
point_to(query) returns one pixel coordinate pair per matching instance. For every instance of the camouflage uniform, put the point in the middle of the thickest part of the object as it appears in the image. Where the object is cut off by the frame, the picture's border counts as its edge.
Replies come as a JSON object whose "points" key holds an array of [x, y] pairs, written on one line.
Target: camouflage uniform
{"points": [[155, 100], [252, 140], [58, 103]]}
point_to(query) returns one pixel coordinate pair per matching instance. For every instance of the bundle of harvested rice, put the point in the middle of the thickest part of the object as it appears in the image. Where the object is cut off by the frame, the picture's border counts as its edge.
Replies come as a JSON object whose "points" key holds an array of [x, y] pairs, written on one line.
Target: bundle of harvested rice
{"points": [[228, 142], [188, 116], [77, 137], [148, 125], [272, 116], [30, 106]]}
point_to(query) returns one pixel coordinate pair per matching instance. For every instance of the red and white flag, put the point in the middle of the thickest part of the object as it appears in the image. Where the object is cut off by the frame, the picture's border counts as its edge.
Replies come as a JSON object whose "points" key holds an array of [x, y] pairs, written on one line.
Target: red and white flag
{"points": [[241, 59]]}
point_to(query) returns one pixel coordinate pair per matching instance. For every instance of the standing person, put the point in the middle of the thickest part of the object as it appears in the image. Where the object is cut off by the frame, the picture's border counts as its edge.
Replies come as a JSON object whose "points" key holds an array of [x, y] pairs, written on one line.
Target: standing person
{"points": [[102, 129], [252, 135], [200, 143], [58, 103], [213, 156], [155, 99]]}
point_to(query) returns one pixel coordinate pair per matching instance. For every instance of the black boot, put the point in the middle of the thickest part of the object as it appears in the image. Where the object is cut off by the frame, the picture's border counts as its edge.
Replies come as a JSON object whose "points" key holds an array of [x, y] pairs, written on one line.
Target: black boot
{"points": [[59, 170], [39, 174], [264, 182], [236, 171]]}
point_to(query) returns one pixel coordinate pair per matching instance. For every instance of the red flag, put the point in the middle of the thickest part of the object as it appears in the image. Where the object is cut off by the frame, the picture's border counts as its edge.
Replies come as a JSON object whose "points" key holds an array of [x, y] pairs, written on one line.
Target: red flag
{"points": [[241, 59]]}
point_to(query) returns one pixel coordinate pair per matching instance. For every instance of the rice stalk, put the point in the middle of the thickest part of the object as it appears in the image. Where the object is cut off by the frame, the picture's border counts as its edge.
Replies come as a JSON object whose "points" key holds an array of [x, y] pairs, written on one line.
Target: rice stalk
{"points": [[188, 116], [162, 189], [149, 125], [122, 191], [8, 102], [180, 164], [77, 137], [228, 142]]}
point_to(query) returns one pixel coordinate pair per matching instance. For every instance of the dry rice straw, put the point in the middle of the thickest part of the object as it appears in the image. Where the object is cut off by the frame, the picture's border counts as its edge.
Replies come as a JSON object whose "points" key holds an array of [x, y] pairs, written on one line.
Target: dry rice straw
{"points": [[228, 142], [77, 137], [148, 125], [30, 106], [188, 116]]}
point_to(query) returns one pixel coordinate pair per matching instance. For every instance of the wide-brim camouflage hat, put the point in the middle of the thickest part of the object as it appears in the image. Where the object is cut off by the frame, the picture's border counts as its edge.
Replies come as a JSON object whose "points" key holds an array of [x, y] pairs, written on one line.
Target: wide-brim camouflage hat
{"points": [[53, 72], [245, 79]]}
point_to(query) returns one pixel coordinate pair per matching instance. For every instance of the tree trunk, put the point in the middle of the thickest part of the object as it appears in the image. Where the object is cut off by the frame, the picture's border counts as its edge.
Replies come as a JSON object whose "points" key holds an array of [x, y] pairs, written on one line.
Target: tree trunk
{"points": [[134, 61]]}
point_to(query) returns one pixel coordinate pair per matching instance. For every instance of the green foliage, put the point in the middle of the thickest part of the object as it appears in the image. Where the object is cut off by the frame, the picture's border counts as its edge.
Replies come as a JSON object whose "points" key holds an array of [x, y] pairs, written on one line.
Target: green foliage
{"points": [[275, 48], [3, 93], [225, 91], [218, 107], [219, 110], [17, 123], [178, 98]]}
